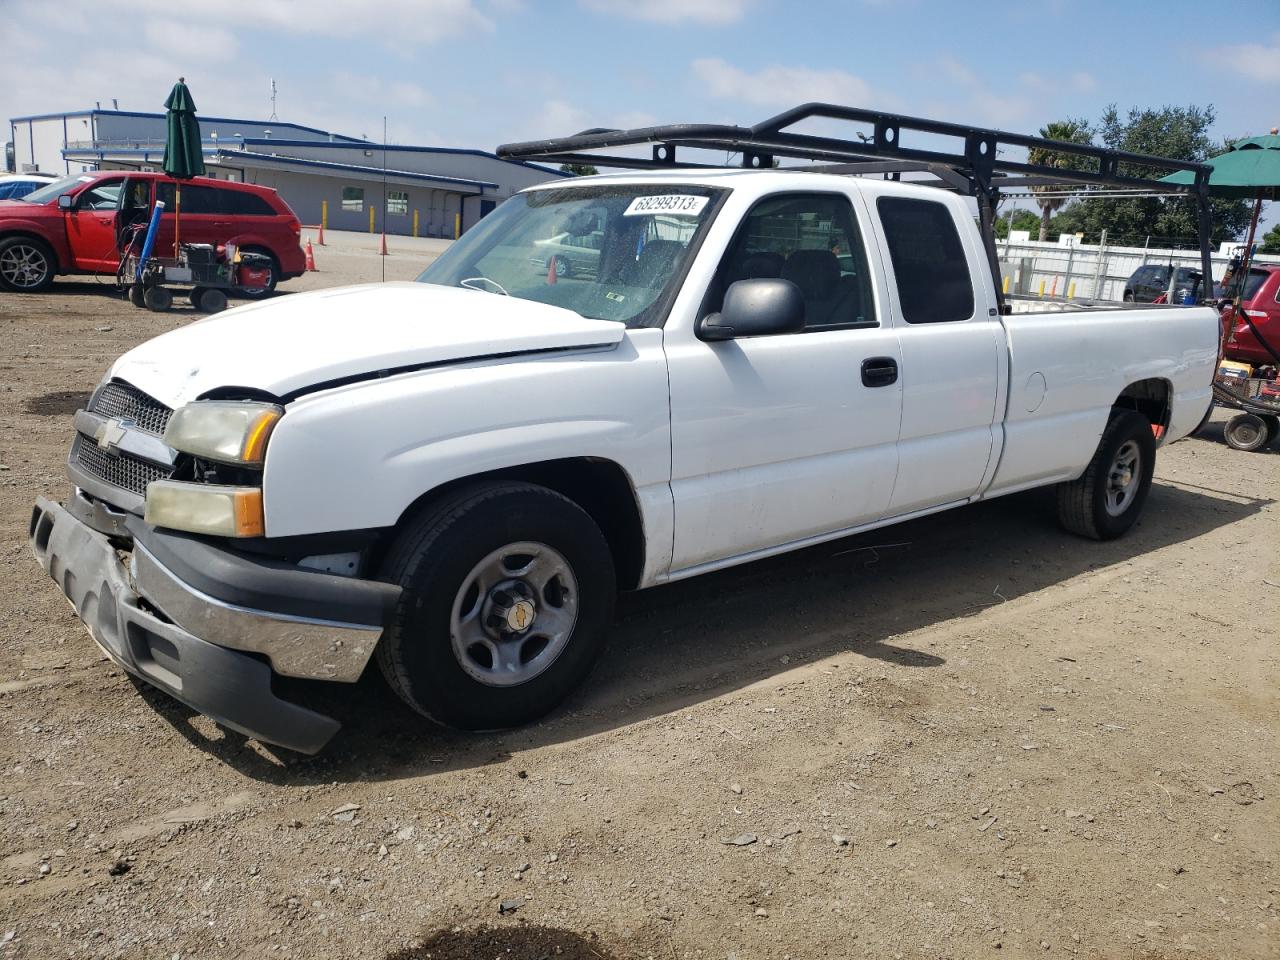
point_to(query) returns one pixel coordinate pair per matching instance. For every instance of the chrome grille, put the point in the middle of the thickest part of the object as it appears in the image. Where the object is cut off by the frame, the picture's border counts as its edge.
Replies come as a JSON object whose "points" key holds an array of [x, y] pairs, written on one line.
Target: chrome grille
{"points": [[124, 471], [127, 402]]}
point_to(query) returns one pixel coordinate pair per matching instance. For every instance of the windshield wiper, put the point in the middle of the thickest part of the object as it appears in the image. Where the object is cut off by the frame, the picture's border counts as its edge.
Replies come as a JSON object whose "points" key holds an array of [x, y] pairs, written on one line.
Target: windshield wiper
{"points": [[470, 280]]}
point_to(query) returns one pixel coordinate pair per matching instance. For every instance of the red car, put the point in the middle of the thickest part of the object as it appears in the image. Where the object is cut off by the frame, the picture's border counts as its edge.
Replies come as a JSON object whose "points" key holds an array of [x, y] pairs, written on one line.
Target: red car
{"points": [[1260, 300], [71, 226]]}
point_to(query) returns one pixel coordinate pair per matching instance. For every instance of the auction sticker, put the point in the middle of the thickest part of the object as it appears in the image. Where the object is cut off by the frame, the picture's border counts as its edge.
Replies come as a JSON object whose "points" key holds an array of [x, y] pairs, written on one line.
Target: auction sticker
{"points": [[672, 204]]}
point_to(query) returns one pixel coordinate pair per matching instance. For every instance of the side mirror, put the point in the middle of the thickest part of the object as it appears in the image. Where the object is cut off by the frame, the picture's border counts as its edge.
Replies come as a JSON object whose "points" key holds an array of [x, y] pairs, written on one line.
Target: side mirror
{"points": [[66, 202], [755, 308]]}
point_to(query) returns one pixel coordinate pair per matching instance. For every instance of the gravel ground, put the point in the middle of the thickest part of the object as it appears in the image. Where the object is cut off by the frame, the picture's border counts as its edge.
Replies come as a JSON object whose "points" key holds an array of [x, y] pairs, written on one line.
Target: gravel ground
{"points": [[967, 736]]}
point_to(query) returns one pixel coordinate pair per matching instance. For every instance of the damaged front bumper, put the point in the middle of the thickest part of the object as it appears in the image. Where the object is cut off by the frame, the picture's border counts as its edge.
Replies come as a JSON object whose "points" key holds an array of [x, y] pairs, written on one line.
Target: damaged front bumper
{"points": [[187, 616]]}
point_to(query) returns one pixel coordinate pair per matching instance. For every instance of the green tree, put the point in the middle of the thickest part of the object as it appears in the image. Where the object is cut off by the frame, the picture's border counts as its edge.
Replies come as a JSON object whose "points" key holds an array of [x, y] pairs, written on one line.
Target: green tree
{"points": [[579, 169], [1070, 131], [1027, 220], [1177, 132], [1271, 241]]}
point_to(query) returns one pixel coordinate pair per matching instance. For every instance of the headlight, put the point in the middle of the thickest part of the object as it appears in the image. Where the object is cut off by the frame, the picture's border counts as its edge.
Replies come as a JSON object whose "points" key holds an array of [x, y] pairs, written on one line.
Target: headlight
{"points": [[228, 431], [206, 508]]}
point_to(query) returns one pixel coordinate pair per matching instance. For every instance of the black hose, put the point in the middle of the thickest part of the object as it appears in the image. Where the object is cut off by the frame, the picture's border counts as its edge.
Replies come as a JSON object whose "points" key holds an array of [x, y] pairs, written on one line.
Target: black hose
{"points": [[1258, 333]]}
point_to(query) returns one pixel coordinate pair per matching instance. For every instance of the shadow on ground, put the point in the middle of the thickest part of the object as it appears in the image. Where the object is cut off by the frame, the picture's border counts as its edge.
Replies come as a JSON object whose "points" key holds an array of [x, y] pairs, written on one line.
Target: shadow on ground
{"points": [[692, 641], [510, 943]]}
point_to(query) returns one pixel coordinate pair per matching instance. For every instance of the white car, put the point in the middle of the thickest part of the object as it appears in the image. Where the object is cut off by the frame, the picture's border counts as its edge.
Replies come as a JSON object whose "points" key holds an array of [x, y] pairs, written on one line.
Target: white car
{"points": [[14, 186], [455, 476]]}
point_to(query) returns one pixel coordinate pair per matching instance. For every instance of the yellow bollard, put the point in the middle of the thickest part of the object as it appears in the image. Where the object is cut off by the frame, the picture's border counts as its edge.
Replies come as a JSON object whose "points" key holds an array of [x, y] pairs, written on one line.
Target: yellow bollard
{"points": [[1071, 291], [415, 223], [324, 215], [457, 225], [1042, 288], [371, 219], [1006, 284]]}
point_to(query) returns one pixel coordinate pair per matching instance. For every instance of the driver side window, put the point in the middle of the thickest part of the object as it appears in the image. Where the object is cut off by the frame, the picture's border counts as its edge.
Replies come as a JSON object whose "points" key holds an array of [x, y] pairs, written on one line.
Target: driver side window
{"points": [[102, 196], [812, 240]]}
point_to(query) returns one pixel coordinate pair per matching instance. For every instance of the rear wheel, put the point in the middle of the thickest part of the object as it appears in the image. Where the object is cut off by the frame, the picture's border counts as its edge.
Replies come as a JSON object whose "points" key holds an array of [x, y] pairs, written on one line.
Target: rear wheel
{"points": [[507, 594], [1128, 296], [137, 295], [210, 300], [158, 299], [1246, 432], [1107, 498], [26, 265], [273, 276]]}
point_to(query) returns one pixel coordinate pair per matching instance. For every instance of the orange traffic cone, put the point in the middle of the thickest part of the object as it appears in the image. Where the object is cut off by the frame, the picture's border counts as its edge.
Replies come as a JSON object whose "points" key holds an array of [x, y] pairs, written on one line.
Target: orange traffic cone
{"points": [[552, 276], [382, 252], [311, 256], [320, 238]]}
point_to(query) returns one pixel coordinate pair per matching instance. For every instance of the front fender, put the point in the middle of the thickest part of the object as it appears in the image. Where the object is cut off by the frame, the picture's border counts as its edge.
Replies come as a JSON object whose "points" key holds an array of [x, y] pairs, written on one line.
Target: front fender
{"points": [[358, 456]]}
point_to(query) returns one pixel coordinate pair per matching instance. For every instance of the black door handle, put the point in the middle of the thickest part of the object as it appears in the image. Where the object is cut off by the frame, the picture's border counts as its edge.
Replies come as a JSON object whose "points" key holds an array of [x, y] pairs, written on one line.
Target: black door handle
{"points": [[879, 371]]}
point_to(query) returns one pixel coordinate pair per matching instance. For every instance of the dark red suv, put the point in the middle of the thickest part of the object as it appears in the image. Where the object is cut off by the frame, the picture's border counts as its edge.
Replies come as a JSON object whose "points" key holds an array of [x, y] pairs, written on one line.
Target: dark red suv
{"points": [[1260, 300], [73, 225]]}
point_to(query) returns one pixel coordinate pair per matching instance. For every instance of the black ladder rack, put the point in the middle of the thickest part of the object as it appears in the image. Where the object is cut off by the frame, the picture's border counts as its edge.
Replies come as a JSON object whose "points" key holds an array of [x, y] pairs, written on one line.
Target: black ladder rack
{"points": [[979, 171]]}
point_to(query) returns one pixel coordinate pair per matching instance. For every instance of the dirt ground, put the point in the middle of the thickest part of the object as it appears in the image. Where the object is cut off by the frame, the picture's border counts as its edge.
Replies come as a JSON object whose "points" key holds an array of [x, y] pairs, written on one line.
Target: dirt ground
{"points": [[967, 736]]}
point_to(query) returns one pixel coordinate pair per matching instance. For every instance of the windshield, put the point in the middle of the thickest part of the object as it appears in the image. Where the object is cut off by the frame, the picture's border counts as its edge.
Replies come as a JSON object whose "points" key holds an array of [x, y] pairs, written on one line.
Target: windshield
{"points": [[54, 190], [605, 252]]}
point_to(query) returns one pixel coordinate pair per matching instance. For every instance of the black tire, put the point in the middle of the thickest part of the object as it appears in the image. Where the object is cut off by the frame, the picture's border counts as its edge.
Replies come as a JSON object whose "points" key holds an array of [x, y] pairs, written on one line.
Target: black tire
{"points": [[1273, 426], [1093, 505], [158, 299], [27, 265], [1128, 296], [257, 293], [434, 560], [211, 300], [194, 296], [562, 266], [137, 296], [1247, 432]]}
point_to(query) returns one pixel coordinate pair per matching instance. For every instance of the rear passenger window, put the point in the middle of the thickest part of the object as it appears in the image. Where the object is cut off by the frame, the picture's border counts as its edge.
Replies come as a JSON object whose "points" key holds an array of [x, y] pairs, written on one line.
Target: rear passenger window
{"points": [[245, 204], [812, 240], [928, 260], [195, 199]]}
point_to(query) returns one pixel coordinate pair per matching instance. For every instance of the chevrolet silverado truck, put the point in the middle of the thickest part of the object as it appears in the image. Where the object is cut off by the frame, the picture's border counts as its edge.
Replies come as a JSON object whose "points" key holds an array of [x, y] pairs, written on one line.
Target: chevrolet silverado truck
{"points": [[454, 476]]}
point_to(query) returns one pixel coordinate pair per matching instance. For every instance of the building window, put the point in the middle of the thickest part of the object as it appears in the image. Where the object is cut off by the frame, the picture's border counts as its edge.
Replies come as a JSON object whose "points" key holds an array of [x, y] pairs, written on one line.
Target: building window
{"points": [[353, 199], [398, 202]]}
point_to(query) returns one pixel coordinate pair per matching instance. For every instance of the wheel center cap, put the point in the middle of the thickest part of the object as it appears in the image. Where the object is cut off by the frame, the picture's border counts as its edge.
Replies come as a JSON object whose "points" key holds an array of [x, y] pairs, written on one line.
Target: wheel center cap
{"points": [[520, 616]]}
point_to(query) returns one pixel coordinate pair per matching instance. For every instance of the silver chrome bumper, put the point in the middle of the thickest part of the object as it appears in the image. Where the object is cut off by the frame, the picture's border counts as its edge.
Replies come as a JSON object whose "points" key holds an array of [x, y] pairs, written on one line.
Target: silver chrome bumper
{"points": [[296, 646], [231, 687]]}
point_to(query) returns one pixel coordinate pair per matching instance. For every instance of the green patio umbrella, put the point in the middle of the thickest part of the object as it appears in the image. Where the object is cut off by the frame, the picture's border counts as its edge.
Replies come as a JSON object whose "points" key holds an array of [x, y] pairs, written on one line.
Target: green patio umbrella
{"points": [[183, 156], [1249, 170]]}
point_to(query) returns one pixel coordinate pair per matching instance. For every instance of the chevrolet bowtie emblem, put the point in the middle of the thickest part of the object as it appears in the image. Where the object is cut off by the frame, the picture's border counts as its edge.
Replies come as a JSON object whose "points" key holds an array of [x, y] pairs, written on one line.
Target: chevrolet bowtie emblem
{"points": [[109, 434]]}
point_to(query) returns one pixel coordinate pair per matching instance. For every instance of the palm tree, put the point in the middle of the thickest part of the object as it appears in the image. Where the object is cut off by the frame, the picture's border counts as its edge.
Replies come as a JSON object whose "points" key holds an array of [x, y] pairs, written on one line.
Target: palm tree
{"points": [[1070, 131]]}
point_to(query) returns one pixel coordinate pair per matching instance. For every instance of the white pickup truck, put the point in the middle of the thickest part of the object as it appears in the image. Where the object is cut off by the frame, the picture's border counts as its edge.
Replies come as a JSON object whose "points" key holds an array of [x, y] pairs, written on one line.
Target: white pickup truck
{"points": [[455, 476]]}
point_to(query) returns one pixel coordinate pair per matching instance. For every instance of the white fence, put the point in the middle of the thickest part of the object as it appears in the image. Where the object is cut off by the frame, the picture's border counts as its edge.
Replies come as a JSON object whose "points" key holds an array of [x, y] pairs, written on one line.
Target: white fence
{"points": [[1090, 271]]}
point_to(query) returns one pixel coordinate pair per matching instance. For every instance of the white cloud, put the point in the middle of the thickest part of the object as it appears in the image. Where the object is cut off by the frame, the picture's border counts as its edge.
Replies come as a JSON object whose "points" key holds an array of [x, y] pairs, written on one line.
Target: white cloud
{"points": [[1256, 61], [716, 12], [177, 39], [781, 85]]}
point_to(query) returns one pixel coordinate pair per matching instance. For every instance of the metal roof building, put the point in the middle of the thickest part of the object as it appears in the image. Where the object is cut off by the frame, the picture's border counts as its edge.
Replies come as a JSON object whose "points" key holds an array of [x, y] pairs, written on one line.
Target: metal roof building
{"points": [[353, 182]]}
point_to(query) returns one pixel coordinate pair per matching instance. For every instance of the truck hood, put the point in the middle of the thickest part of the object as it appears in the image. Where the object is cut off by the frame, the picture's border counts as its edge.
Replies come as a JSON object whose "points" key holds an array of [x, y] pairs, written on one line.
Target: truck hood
{"points": [[288, 344]]}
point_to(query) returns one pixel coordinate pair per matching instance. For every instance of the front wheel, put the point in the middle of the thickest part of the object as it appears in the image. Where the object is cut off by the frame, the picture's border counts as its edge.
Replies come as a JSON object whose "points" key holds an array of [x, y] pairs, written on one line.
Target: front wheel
{"points": [[508, 592], [26, 265], [1107, 498]]}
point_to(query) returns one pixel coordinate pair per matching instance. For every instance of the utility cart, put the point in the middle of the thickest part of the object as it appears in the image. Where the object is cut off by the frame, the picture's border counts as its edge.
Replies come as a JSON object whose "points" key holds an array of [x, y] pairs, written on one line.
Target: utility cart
{"points": [[1259, 400], [207, 274]]}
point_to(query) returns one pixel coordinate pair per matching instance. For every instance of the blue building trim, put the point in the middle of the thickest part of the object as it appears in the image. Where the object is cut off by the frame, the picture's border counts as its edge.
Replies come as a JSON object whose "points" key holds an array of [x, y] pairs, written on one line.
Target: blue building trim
{"points": [[234, 155]]}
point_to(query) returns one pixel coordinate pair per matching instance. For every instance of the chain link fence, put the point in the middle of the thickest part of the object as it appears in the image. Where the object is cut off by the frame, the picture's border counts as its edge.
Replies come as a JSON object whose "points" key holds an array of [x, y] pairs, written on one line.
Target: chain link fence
{"points": [[1067, 269]]}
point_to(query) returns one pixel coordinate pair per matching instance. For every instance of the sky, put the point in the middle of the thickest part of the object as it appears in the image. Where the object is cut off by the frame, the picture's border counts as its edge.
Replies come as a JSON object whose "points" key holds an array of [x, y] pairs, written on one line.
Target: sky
{"points": [[476, 73]]}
